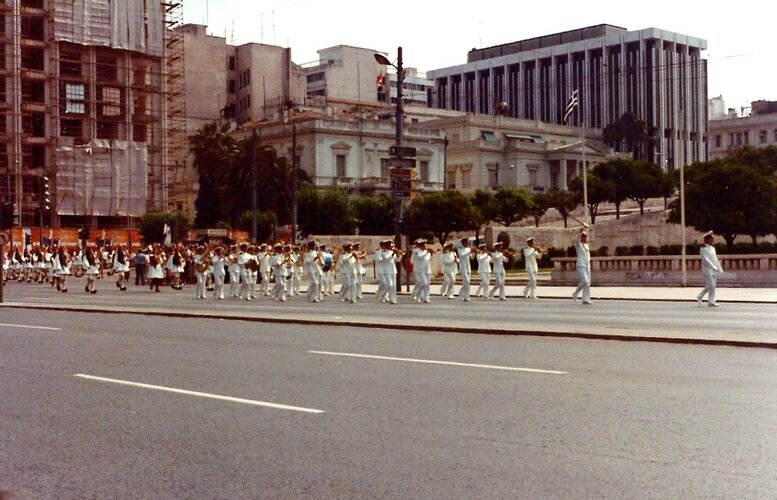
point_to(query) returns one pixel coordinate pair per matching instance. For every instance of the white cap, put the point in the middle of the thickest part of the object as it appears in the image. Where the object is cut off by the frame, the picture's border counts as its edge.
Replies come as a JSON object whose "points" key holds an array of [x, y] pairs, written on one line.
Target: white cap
{"points": [[530, 239], [709, 234]]}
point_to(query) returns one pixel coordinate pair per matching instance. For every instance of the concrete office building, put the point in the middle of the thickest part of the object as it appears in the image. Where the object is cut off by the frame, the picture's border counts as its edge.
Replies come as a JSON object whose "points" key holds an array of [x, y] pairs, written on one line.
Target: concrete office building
{"points": [[757, 130], [658, 75]]}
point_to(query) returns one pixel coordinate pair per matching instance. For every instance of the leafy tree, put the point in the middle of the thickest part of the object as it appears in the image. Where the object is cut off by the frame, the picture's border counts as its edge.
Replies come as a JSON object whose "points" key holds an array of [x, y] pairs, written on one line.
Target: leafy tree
{"points": [[265, 224], [213, 148], [628, 130], [375, 215], [541, 203], [152, 226], [730, 199], [618, 174], [599, 191], [512, 204], [483, 210], [564, 202], [441, 213], [645, 180], [325, 212]]}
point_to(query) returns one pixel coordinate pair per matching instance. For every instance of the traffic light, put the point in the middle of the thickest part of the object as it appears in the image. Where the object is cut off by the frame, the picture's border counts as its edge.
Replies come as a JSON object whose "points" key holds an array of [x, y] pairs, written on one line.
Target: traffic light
{"points": [[45, 199]]}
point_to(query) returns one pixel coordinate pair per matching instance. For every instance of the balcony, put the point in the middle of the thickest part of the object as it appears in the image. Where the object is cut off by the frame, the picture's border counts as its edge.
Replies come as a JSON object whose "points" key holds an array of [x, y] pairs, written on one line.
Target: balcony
{"points": [[344, 182], [428, 186], [376, 183]]}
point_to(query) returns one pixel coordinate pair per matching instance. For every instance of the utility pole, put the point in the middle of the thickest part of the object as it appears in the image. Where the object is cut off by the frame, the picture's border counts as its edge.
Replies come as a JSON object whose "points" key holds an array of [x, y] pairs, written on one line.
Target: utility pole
{"points": [[254, 174]]}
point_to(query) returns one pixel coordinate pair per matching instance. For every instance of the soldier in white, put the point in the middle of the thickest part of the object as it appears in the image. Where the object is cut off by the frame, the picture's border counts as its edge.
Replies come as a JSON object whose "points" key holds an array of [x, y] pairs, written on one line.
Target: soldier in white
{"points": [[710, 268], [242, 259], [583, 268], [359, 270], [265, 253], [386, 258], [449, 261], [327, 280], [234, 272], [346, 269], [279, 262], [201, 265], [422, 259], [313, 268], [530, 256], [219, 272], [465, 269], [484, 270], [498, 258], [296, 270]]}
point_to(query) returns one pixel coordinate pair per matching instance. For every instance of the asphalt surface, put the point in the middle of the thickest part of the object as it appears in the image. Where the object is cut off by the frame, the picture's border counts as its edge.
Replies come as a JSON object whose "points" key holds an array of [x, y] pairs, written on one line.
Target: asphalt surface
{"points": [[736, 324], [603, 420]]}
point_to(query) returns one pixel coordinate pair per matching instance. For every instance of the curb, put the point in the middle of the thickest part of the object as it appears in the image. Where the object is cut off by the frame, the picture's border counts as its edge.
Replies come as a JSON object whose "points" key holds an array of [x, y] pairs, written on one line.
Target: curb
{"points": [[422, 328]]}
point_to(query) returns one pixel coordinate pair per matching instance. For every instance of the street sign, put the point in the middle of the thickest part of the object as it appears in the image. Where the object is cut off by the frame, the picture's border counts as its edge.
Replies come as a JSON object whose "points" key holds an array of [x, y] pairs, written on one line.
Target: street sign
{"points": [[400, 188], [402, 151], [404, 173], [401, 163]]}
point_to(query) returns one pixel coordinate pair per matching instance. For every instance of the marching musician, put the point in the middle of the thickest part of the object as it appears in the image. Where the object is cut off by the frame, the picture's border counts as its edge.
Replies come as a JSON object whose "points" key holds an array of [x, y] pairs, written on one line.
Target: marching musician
{"points": [[218, 262], [327, 280], [347, 269], [484, 270], [313, 263], [422, 269], [234, 272], [498, 257], [201, 265], [465, 268], [583, 267], [449, 261], [530, 255], [386, 258]]}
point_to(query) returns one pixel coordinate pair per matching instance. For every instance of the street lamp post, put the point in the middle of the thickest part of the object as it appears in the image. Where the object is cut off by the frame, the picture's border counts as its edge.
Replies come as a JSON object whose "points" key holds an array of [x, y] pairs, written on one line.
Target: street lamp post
{"points": [[254, 182], [381, 59], [289, 108]]}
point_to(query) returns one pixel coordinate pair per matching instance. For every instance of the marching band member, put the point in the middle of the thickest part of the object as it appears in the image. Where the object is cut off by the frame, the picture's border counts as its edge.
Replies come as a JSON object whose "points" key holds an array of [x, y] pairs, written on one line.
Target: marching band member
{"points": [[484, 270], [327, 279], [346, 267], [242, 258], [583, 268], [422, 269], [279, 263], [465, 268], [201, 265], [234, 272], [450, 262], [498, 258], [710, 268], [530, 256], [219, 272], [265, 253], [386, 258], [359, 270], [297, 261], [92, 268], [313, 267]]}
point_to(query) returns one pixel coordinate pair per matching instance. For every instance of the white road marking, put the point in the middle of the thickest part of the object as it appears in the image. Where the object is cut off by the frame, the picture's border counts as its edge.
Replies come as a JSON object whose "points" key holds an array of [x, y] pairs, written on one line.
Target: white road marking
{"points": [[31, 327], [432, 362], [200, 394]]}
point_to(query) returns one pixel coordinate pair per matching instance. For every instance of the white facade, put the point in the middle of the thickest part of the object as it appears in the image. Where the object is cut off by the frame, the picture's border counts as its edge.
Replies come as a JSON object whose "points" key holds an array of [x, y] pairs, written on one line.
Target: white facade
{"points": [[732, 133], [344, 73]]}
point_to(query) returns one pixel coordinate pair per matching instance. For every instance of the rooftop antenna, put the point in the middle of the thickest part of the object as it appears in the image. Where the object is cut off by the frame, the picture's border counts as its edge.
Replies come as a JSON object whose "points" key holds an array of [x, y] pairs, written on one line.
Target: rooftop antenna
{"points": [[261, 27], [207, 13], [232, 37], [273, 27]]}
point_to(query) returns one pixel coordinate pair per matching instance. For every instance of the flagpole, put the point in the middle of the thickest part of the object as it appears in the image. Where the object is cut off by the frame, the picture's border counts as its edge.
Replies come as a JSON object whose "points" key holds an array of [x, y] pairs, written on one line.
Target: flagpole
{"points": [[581, 124]]}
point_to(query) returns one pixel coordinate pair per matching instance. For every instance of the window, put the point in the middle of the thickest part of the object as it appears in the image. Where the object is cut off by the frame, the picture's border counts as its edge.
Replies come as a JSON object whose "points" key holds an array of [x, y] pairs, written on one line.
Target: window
{"points": [[423, 171], [111, 105], [747, 137], [718, 141], [107, 68], [533, 176], [489, 136], [75, 98], [70, 64], [71, 128], [762, 137], [232, 87], [107, 130], [231, 63], [32, 58], [384, 167], [340, 165], [140, 133], [248, 76], [316, 77], [466, 179]]}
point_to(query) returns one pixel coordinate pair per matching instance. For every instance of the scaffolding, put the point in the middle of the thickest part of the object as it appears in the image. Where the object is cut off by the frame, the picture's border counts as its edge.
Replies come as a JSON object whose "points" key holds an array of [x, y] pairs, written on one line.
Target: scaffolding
{"points": [[92, 96]]}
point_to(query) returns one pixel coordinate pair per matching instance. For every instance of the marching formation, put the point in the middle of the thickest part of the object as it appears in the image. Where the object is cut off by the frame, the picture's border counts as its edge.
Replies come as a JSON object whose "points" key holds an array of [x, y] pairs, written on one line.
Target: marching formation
{"points": [[238, 271]]}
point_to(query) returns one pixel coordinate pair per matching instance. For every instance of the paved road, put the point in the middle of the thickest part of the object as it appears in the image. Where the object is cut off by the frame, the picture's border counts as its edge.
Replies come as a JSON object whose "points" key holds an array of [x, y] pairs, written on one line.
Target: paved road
{"points": [[738, 322], [601, 420]]}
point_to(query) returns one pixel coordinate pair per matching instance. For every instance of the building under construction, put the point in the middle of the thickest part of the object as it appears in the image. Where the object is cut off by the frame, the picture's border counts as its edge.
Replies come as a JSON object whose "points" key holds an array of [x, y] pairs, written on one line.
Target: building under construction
{"points": [[91, 93]]}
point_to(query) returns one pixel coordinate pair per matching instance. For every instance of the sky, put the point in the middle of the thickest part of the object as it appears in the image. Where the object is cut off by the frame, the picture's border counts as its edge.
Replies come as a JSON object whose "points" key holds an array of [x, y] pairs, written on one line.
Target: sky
{"points": [[438, 34]]}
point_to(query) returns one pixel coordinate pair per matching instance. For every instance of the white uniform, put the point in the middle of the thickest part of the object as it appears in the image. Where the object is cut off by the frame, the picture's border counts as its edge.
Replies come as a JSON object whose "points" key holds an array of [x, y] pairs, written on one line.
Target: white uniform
{"points": [[358, 277], [327, 280], [200, 289], [423, 274], [583, 271], [245, 284], [387, 275], [279, 270], [219, 273], [466, 270], [498, 259], [448, 261], [710, 268], [313, 268], [484, 271], [264, 270], [234, 276], [346, 270], [530, 255]]}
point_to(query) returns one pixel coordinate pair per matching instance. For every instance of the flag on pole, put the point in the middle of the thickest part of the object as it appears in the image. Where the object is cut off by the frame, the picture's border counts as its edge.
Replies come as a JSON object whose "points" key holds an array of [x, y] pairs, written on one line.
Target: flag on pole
{"points": [[571, 105], [168, 236], [379, 82]]}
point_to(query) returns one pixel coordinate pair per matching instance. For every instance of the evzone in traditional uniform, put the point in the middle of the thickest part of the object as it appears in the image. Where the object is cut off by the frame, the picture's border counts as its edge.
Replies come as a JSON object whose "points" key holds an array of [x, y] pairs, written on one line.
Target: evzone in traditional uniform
{"points": [[583, 265], [422, 258], [121, 268], [484, 270], [264, 256], [327, 267], [530, 256], [386, 259], [156, 270], [219, 264], [465, 268], [234, 272], [62, 269], [346, 269], [91, 263], [279, 262], [176, 266], [313, 266], [498, 258], [710, 269], [449, 262]]}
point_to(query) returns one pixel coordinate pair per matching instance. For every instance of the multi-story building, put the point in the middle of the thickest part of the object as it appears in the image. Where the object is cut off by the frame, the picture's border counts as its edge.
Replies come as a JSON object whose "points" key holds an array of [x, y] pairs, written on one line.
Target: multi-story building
{"points": [[658, 75], [758, 130], [415, 89], [238, 83], [87, 88]]}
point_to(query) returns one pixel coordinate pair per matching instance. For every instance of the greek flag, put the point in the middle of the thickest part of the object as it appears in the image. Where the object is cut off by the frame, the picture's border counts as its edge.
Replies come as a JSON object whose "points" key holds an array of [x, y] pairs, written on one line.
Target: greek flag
{"points": [[571, 105]]}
